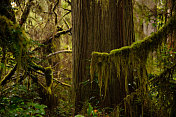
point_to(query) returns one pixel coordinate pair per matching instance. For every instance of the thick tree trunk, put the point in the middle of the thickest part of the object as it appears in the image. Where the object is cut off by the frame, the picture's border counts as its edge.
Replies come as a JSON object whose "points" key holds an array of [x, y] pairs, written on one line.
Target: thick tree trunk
{"points": [[97, 26]]}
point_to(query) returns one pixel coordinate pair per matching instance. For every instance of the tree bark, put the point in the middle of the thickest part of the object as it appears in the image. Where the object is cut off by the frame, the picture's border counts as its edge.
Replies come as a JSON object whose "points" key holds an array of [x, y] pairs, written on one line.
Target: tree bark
{"points": [[97, 26]]}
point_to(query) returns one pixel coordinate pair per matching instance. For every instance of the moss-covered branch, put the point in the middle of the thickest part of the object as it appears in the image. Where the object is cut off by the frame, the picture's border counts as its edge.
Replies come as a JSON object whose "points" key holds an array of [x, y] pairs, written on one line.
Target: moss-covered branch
{"points": [[8, 76], [37, 67], [124, 68], [128, 64], [149, 43], [62, 83], [48, 75]]}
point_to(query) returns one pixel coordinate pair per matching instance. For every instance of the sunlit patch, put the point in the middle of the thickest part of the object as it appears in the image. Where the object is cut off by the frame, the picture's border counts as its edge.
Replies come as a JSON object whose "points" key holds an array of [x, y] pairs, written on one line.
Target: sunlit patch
{"points": [[13, 4]]}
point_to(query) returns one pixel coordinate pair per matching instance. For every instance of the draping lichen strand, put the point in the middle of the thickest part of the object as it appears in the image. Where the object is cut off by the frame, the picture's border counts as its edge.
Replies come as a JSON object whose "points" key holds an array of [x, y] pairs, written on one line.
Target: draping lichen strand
{"points": [[101, 68], [124, 61], [129, 61]]}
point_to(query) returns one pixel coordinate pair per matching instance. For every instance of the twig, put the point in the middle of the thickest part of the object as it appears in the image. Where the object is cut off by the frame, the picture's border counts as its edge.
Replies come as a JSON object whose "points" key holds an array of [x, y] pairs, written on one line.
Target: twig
{"points": [[66, 9], [55, 12]]}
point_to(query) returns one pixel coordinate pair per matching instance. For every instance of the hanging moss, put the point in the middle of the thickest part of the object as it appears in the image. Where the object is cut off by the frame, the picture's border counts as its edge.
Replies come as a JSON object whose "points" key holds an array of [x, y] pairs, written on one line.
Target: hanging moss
{"points": [[129, 62]]}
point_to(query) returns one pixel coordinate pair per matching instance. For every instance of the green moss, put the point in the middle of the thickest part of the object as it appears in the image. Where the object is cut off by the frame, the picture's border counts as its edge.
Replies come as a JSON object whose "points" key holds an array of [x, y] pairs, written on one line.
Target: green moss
{"points": [[48, 75], [13, 39], [12, 36], [37, 67], [122, 51], [49, 78], [129, 60]]}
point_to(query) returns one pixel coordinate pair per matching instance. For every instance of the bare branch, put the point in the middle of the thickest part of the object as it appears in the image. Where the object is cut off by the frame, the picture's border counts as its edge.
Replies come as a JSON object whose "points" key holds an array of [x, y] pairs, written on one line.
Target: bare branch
{"points": [[58, 52], [66, 9], [55, 12]]}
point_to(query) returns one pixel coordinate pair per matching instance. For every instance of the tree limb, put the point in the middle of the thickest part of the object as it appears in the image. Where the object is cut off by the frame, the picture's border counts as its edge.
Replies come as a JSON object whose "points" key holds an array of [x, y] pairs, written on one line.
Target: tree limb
{"points": [[147, 44], [55, 36], [58, 52], [62, 83], [26, 12], [55, 12], [66, 9], [8, 76]]}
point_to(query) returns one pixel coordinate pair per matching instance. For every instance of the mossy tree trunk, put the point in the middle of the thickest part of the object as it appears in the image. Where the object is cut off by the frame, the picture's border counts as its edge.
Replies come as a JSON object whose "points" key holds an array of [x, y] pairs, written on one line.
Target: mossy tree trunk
{"points": [[98, 25], [5, 10]]}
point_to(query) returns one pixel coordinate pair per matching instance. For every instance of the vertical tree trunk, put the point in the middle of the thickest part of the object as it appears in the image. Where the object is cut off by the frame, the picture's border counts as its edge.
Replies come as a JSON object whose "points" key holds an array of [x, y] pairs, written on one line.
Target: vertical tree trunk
{"points": [[5, 10], [98, 25]]}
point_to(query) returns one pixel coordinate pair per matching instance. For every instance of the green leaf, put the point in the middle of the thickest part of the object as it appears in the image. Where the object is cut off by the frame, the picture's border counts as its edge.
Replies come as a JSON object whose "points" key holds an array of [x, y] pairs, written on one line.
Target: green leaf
{"points": [[90, 110], [2, 65], [154, 24], [79, 116], [38, 115]]}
